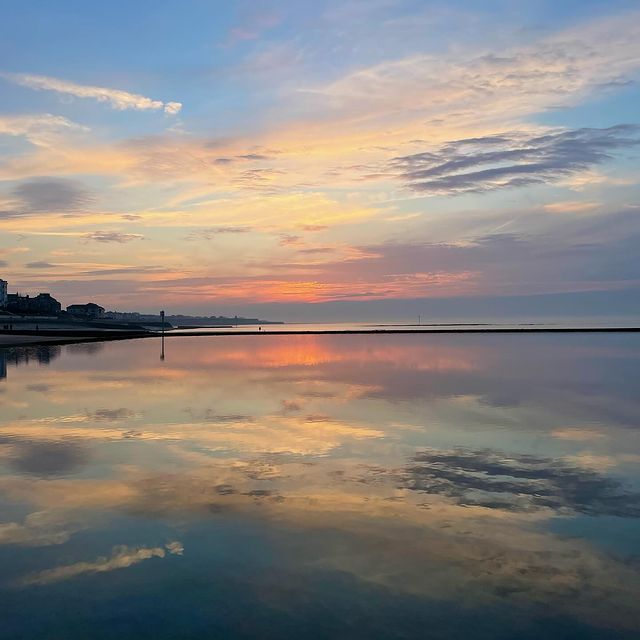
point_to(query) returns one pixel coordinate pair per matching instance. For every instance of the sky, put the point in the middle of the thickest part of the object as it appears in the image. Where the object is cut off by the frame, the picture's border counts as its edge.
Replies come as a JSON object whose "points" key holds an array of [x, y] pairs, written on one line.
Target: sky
{"points": [[328, 160]]}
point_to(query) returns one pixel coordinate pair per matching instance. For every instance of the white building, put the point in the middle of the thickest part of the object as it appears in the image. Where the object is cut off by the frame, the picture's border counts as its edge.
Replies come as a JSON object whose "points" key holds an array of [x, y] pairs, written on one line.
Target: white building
{"points": [[3, 293]]}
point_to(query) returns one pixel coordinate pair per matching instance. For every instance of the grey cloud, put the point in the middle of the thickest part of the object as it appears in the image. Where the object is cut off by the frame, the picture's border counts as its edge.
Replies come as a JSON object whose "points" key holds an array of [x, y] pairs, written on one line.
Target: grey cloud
{"points": [[49, 458], [518, 483], [211, 232], [289, 239], [40, 264], [590, 252], [317, 250], [39, 388], [476, 165], [117, 270], [113, 236], [247, 156], [3, 263], [258, 179], [290, 406], [43, 195], [111, 415], [254, 156], [211, 416]]}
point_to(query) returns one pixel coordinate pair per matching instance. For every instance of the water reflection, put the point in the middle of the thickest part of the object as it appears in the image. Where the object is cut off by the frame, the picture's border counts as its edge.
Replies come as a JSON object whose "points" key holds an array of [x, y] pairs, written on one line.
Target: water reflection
{"points": [[354, 486], [42, 354], [517, 482]]}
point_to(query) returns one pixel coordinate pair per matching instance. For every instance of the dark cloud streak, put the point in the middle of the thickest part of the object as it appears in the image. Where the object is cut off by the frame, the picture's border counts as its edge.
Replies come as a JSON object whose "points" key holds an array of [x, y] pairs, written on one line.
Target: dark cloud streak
{"points": [[518, 483], [515, 159], [48, 195]]}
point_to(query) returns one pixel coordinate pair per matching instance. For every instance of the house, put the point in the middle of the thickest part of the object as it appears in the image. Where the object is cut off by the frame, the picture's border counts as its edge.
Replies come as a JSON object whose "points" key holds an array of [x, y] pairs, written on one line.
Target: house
{"points": [[42, 304], [89, 310]]}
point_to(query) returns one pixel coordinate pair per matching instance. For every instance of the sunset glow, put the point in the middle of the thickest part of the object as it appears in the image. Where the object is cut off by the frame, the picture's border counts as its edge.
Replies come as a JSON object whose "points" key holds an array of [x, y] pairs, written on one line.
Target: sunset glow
{"points": [[214, 157]]}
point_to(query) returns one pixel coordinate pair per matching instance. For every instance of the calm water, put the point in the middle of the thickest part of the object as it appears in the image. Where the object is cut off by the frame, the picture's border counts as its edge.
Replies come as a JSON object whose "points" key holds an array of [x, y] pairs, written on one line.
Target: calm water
{"points": [[395, 486], [440, 325]]}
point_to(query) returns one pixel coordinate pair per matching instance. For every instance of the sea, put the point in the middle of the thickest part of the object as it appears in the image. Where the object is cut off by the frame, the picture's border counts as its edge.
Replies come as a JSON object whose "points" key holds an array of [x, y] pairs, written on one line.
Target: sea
{"points": [[378, 486], [446, 325]]}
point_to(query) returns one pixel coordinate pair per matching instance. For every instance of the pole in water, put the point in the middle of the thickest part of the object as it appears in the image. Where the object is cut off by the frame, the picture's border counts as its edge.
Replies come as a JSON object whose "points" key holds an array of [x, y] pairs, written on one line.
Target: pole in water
{"points": [[162, 346]]}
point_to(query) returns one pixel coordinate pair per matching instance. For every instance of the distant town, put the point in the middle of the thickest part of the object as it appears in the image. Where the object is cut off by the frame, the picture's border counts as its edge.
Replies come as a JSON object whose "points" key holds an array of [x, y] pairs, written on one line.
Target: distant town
{"points": [[45, 309]]}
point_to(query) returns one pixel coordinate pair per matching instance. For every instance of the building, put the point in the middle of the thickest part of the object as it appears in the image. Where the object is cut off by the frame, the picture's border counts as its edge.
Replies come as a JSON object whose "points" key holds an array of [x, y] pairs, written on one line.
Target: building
{"points": [[3, 294], [89, 310], [42, 304]]}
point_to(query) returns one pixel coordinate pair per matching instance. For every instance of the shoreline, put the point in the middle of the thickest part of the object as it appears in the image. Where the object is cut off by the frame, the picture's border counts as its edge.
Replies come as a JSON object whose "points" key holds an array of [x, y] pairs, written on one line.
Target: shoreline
{"points": [[33, 338], [448, 331], [26, 338]]}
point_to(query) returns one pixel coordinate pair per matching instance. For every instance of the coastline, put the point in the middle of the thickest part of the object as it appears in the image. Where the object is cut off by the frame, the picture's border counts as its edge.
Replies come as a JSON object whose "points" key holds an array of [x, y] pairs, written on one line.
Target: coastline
{"points": [[33, 338], [26, 337]]}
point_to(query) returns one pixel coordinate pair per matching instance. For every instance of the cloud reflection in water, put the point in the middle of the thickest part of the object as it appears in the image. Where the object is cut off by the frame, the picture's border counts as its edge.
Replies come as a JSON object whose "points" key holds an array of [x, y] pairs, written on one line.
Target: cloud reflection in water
{"points": [[382, 459]]}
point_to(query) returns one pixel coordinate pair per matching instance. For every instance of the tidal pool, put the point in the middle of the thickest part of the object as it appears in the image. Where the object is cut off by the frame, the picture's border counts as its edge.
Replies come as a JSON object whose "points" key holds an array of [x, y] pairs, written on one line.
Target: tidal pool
{"points": [[349, 486]]}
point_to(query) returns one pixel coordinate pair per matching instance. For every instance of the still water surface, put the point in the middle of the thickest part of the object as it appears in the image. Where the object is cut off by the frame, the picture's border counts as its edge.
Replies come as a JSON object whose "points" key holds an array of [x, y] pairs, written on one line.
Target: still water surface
{"points": [[385, 486]]}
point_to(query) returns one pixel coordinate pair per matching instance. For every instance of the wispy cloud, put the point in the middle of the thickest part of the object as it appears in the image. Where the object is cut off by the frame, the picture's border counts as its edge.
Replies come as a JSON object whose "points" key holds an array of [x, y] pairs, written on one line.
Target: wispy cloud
{"points": [[513, 159], [41, 130], [121, 558], [112, 236], [571, 206], [509, 83], [519, 483], [211, 232], [116, 98], [39, 529]]}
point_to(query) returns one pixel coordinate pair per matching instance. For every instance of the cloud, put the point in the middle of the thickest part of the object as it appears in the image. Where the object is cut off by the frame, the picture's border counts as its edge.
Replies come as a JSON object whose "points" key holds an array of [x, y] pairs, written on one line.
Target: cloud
{"points": [[40, 264], [290, 406], [514, 159], [39, 387], [211, 415], [518, 482], [116, 98], [112, 236], [172, 108], [314, 227], [49, 458], [39, 529], [594, 253], [48, 195], [41, 130], [571, 206], [253, 156], [121, 558], [211, 232], [111, 415], [576, 434], [317, 250], [254, 21], [466, 89], [123, 270], [287, 239]]}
